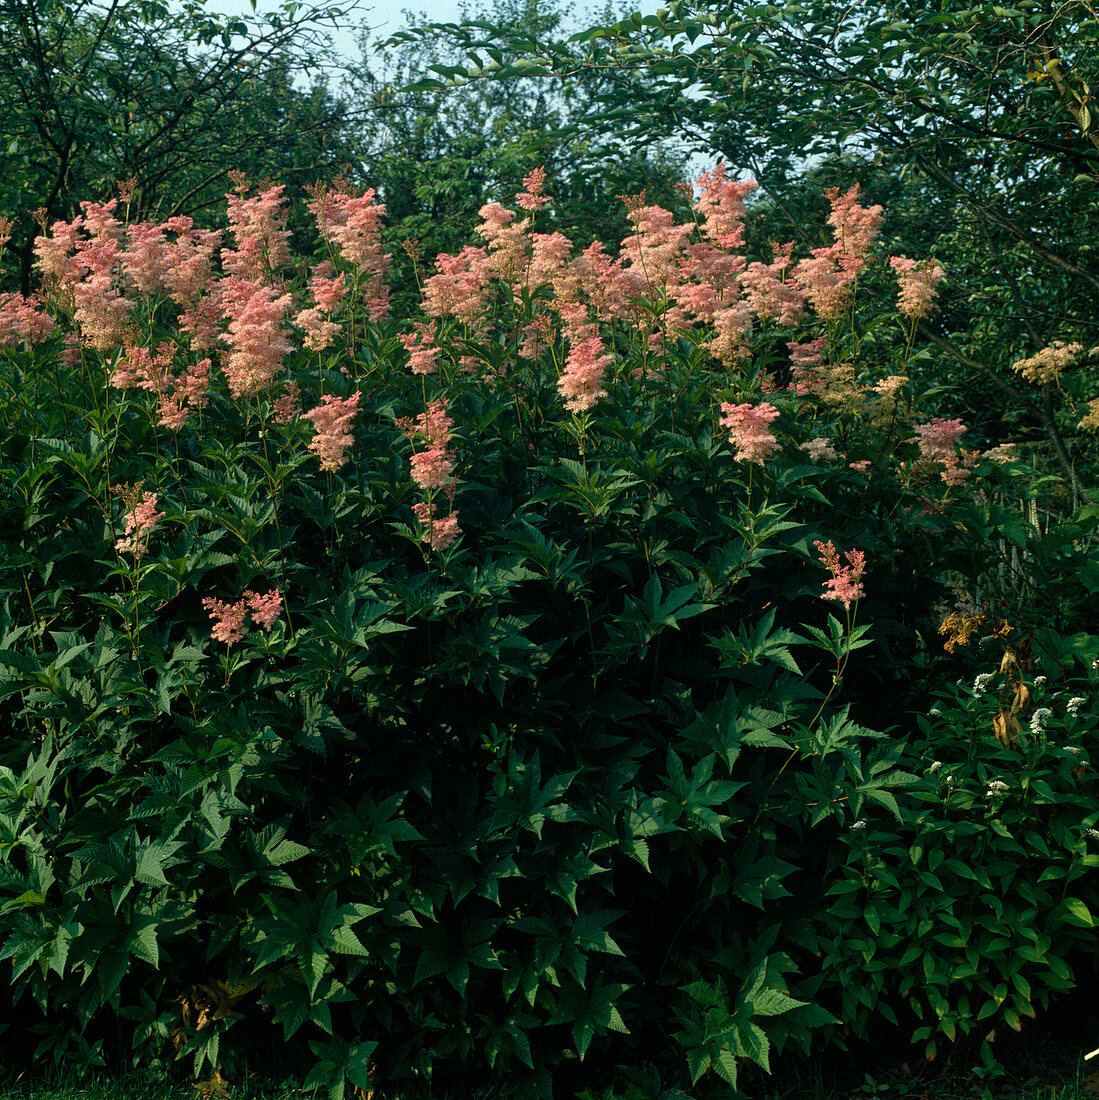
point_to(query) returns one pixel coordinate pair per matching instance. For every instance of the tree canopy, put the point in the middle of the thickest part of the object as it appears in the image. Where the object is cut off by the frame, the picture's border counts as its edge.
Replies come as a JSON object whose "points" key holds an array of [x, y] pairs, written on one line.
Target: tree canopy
{"points": [[171, 97], [975, 121]]}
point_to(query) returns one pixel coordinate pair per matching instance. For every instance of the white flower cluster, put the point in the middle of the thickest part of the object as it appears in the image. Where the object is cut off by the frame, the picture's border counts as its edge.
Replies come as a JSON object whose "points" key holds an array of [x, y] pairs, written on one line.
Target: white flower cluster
{"points": [[980, 685], [860, 824], [935, 767], [1093, 833], [1074, 704], [1039, 719], [995, 786]]}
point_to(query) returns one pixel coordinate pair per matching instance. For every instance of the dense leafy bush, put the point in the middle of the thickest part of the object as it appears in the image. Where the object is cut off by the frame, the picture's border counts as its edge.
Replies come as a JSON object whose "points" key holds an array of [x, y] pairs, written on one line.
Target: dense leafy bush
{"points": [[518, 704]]}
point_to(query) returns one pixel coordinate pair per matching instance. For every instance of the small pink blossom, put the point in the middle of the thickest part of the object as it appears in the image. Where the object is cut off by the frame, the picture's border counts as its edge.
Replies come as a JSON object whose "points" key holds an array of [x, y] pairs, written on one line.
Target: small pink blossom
{"points": [[288, 405], [432, 468], [318, 330], [328, 291], [769, 292], [845, 583], [938, 438], [259, 227], [537, 336], [265, 609], [749, 430], [918, 285], [54, 254], [810, 353], [141, 518], [458, 290], [256, 340], [228, 619], [581, 383], [531, 197], [21, 322], [439, 531], [721, 205], [819, 449], [732, 327], [332, 429], [422, 351]]}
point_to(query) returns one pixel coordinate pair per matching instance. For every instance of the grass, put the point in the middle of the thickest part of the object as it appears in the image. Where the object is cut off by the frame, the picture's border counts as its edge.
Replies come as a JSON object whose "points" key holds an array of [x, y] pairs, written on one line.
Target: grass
{"points": [[1068, 1084]]}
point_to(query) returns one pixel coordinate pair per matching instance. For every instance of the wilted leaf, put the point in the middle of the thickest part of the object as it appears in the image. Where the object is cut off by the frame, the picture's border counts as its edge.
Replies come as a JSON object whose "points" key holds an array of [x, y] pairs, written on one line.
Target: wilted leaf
{"points": [[1006, 726], [215, 1086], [1022, 698]]}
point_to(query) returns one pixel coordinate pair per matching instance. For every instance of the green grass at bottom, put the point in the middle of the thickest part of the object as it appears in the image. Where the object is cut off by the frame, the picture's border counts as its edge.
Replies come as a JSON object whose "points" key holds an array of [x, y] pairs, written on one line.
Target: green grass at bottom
{"points": [[1067, 1085]]}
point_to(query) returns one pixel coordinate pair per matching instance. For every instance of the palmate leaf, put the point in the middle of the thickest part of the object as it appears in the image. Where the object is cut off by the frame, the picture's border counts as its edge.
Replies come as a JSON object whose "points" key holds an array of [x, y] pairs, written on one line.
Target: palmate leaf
{"points": [[308, 933]]}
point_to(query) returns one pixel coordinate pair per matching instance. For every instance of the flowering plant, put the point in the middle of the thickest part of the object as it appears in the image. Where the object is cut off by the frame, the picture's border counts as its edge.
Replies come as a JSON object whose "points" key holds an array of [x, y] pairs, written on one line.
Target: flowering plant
{"points": [[544, 635]]}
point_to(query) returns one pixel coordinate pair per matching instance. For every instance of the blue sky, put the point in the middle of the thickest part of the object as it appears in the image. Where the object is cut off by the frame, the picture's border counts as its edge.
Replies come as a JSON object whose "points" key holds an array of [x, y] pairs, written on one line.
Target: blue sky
{"points": [[384, 17]]}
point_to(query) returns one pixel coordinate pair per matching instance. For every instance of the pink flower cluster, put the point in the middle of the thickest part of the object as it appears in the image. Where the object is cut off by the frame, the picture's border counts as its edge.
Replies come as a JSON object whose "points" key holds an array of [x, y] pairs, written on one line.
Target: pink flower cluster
{"points": [[287, 405], [21, 322], [918, 283], [721, 206], [749, 430], [828, 275], [432, 469], [662, 281], [141, 518], [331, 421], [938, 440], [423, 354], [769, 293], [178, 394], [316, 321], [531, 197], [353, 224], [458, 290], [100, 309], [182, 267], [439, 531], [256, 340], [229, 618], [581, 382], [845, 582], [259, 227]]}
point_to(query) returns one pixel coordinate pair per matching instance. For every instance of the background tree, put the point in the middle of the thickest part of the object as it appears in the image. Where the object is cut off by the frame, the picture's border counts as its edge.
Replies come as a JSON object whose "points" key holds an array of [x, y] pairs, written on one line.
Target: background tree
{"points": [[97, 91], [443, 150], [976, 121]]}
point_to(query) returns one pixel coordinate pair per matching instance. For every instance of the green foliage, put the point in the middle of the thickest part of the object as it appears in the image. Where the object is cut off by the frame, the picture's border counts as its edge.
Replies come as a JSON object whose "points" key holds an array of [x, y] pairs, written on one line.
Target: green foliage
{"points": [[601, 783], [171, 97], [441, 151], [973, 123]]}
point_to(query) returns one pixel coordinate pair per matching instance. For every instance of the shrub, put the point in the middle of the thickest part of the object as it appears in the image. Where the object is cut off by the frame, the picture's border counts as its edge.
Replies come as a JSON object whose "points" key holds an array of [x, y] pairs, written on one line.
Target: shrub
{"points": [[508, 708]]}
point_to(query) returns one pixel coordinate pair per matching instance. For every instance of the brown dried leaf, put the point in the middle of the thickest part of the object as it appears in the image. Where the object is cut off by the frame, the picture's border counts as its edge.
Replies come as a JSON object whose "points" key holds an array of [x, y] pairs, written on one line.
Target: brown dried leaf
{"points": [[1022, 698], [1009, 664], [215, 1086], [1006, 726], [204, 1004]]}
